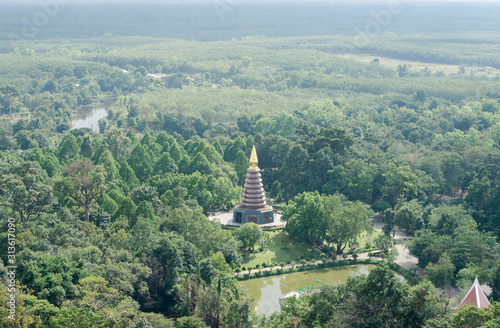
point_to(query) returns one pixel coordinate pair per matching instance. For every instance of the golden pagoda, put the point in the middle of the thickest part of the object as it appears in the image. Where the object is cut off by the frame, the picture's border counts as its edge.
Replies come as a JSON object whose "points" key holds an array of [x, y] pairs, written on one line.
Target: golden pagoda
{"points": [[253, 207]]}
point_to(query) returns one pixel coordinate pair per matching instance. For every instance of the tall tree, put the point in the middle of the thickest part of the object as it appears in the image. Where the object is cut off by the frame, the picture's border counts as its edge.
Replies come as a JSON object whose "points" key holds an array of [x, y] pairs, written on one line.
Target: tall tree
{"points": [[87, 148], [128, 176], [249, 234], [408, 215], [294, 173], [345, 220], [68, 149], [316, 218], [10, 92], [201, 164], [140, 162], [334, 138], [110, 165], [400, 182], [241, 166], [119, 144], [215, 302], [26, 190], [305, 217], [83, 182], [94, 293], [442, 272]]}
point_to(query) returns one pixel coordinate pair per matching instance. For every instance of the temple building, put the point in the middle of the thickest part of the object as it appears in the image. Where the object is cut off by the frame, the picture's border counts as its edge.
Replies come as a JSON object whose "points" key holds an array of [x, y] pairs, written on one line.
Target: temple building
{"points": [[475, 297], [253, 207]]}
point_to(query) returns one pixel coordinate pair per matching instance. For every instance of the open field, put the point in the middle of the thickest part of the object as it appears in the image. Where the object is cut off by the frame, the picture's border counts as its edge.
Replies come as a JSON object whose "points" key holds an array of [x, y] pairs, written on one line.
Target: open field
{"points": [[421, 66]]}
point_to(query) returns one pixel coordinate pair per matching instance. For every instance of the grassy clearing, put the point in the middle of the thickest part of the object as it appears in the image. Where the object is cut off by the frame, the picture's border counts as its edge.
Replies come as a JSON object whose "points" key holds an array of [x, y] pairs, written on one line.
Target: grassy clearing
{"points": [[366, 238], [282, 248], [433, 67]]}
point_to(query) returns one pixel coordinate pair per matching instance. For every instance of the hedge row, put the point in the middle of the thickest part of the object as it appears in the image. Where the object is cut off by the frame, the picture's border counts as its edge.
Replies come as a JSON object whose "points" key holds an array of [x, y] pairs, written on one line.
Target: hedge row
{"points": [[409, 276]]}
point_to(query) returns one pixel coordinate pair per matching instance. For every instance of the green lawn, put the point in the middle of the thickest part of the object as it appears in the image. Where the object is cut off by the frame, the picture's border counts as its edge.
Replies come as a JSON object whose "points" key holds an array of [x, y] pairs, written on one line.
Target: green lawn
{"points": [[282, 248], [364, 238]]}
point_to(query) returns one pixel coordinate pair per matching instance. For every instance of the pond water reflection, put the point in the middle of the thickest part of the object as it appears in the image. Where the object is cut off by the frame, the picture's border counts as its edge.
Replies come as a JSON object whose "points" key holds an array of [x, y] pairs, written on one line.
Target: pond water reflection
{"points": [[88, 117], [267, 290]]}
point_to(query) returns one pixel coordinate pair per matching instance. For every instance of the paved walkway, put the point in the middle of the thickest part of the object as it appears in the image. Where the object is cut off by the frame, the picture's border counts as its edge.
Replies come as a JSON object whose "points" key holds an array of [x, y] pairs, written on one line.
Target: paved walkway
{"points": [[405, 259], [226, 218], [288, 266]]}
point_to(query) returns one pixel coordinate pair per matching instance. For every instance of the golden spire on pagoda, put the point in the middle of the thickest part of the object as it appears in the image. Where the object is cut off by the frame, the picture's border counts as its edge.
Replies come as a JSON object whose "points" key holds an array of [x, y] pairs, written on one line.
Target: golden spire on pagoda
{"points": [[253, 158]]}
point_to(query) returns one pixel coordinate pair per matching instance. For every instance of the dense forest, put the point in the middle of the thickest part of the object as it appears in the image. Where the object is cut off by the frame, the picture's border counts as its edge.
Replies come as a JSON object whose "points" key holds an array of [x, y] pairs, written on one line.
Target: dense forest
{"points": [[108, 227]]}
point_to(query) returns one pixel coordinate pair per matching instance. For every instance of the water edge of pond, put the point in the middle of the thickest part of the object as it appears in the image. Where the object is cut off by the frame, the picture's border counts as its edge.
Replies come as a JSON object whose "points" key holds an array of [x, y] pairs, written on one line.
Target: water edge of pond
{"points": [[266, 291], [88, 117]]}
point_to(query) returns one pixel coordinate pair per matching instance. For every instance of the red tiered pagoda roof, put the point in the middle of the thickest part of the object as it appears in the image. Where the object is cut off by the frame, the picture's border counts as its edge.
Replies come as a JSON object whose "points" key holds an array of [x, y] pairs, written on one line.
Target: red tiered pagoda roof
{"points": [[253, 191]]}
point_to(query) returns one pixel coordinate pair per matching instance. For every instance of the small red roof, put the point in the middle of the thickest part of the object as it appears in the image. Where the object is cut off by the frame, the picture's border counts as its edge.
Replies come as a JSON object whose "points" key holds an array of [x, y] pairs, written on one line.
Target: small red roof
{"points": [[475, 297]]}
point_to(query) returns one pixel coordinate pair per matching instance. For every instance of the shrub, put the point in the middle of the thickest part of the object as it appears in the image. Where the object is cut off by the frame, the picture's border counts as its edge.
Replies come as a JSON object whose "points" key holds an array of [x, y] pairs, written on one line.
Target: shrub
{"points": [[303, 262]]}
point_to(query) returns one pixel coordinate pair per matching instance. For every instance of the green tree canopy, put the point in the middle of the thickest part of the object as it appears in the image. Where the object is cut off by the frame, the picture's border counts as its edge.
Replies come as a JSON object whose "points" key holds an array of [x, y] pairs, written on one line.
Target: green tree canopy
{"points": [[83, 182], [26, 189], [317, 218], [249, 234]]}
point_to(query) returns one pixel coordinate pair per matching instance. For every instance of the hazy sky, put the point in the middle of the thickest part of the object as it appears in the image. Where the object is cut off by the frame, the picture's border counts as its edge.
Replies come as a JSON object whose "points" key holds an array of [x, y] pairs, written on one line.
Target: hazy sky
{"points": [[242, 1]]}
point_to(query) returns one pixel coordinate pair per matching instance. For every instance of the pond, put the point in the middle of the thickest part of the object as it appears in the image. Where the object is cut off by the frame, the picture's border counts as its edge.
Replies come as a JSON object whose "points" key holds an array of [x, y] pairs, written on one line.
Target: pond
{"points": [[88, 117], [267, 290]]}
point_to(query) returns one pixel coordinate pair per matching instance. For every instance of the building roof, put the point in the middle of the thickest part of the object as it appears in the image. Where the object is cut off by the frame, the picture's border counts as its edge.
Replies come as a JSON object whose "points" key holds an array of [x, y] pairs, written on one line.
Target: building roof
{"points": [[253, 190], [475, 297]]}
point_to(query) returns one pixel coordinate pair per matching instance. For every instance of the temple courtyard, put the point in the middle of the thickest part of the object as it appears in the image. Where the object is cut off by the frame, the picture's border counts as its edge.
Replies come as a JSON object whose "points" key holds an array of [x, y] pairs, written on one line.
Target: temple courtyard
{"points": [[226, 219]]}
